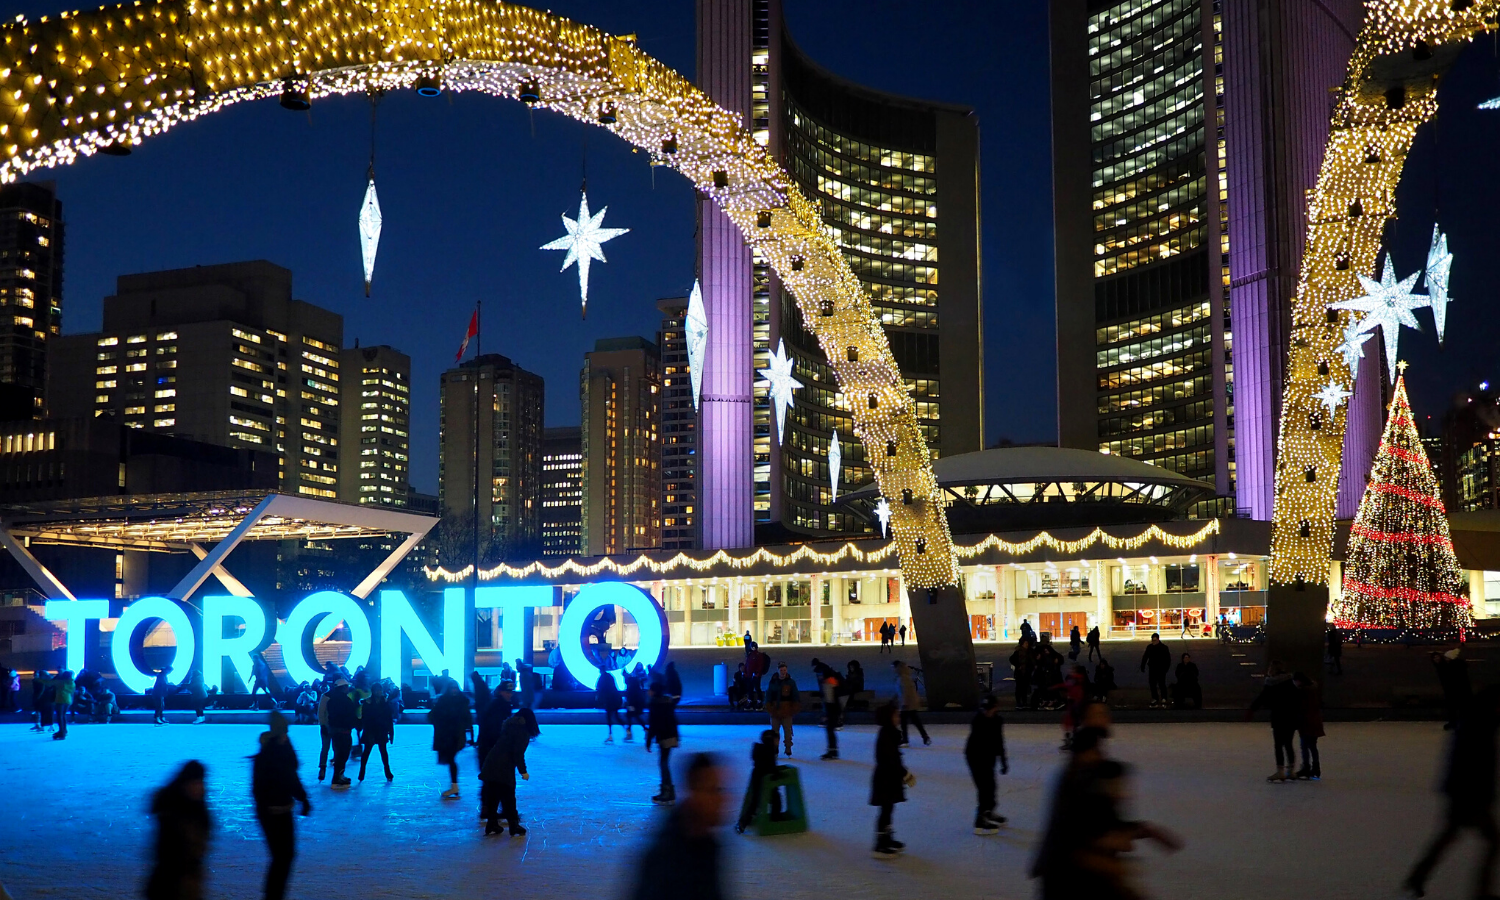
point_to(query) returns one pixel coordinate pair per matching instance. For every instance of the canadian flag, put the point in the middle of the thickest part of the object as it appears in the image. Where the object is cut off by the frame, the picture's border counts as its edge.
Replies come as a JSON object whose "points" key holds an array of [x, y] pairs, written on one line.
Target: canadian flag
{"points": [[468, 335]]}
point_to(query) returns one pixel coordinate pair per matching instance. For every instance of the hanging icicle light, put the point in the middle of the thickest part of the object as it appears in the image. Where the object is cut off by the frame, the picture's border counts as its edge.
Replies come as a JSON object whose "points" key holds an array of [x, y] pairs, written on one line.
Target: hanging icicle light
{"points": [[369, 230], [835, 463], [1439, 264], [696, 326]]}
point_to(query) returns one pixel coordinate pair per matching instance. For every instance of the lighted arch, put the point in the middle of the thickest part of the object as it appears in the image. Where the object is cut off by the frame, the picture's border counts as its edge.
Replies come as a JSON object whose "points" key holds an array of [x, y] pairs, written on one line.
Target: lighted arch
{"points": [[82, 82], [1389, 91]]}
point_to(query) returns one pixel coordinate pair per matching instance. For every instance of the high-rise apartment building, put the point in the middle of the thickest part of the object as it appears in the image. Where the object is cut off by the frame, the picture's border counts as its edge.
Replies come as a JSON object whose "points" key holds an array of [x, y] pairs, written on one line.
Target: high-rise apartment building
{"points": [[221, 354], [31, 284], [620, 394], [1185, 134], [679, 431], [375, 456], [898, 183], [507, 402], [562, 492]]}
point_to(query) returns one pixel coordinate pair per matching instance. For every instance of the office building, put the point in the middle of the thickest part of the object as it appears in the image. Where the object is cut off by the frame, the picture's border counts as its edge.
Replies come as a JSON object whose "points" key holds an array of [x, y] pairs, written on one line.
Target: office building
{"points": [[1185, 135], [620, 397], [897, 180], [679, 431], [562, 492], [31, 285], [221, 354], [374, 458], [506, 453]]}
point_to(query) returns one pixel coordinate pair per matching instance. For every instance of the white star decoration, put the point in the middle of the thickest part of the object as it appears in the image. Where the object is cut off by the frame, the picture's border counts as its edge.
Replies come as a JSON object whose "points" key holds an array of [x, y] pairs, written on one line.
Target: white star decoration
{"points": [[835, 463], [883, 513], [1387, 305], [369, 232], [777, 378], [696, 326], [1331, 396], [1352, 348], [583, 242], [1439, 263]]}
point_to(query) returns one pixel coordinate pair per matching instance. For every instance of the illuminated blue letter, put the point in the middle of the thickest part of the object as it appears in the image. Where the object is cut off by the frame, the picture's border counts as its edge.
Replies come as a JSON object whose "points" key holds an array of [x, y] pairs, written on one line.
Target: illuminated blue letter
{"points": [[75, 614], [137, 613], [331, 607], [397, 616], [514, 598], [215, 646], [640, 605]]}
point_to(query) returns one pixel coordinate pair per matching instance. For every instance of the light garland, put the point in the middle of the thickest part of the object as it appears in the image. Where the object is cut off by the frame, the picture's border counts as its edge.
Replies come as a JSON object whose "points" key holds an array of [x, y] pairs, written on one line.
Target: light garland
{"points": [[107, 79], [1374, 123], [805, 553]]}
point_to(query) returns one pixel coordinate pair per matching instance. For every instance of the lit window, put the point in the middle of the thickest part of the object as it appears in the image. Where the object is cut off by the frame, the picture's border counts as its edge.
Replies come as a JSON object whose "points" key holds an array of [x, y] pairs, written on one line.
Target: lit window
{"points": [[164, 423], [136, 339], [101, 385], [169, 392], [245, 335], [101, 398], [136, 367], [166, 407], [238, 391], [167, 336], [135, 410]]}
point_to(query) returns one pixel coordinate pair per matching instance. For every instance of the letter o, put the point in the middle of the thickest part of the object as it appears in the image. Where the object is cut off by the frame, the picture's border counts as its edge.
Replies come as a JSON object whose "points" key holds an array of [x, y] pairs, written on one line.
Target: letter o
{"points": [[330, 607], [649, 620], [137, 613]]}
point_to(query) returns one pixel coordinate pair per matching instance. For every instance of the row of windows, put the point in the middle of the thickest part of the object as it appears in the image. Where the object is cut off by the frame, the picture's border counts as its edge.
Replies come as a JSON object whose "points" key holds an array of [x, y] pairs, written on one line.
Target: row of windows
{"points": [[1175, 244], [840, 213], [1163, 178], [1156, 394], [1155, 371], [1115, 95], [1149, 230], [1185, 145], [880, 245], [1132, 30], [1155, 444], [1128, 128], [1202, 411], [1180, 196], [1116, 81], [1166, 321], [862, 195], [871, 175], [865, 268], [896, 159]]}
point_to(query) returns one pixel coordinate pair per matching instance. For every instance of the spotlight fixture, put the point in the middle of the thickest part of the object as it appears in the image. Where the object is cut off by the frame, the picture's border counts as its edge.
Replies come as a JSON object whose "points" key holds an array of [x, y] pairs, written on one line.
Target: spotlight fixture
{"points": [[607, 114], [669, 146], [529, 92], [428, 86], [294, 97]]}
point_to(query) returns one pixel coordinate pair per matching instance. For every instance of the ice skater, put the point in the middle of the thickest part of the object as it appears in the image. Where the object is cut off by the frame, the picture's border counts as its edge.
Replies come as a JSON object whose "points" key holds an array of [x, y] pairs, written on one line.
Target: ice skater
{"points": [[159, 690], [683, 860], [343, 716], [986, 744], [889, 782], [277, 789], [1279, 695], [762, 763], [182, 832], [379, 729], [783, 702], [450, 725], [663, 730], [1309, 726], [607, 698], [1470, 787], [498, 772], [906, 690], [635, 702]]}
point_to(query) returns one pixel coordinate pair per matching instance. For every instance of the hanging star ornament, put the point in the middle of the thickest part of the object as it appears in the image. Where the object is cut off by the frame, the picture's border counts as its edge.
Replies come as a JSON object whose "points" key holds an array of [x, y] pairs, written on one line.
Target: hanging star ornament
{"points": [[1352, 349], [696, 326], [369, 231], [777, 379], [583, 243], [1439, 264], [1331, 396], [835, 463], [883, 513], [1387, 305]]}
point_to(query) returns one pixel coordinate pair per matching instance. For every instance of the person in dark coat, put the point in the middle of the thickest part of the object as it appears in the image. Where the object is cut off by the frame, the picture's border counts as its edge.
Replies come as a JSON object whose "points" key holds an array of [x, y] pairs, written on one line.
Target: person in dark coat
{"points": [[1335, 649], [1104, 680], [1470, 788], [1075, 644], [159, 691], [1156, 662], [1022, 662], [379, 729], [1453, 677], [739, 689], [762, 763], [682, 862], [481, 691], [635, 702], [1309, 726], [498, 772], [1093, 642], [986, 744], [276, 788], [783, 702], [1187, 692], [182, 830], [493, 719], [343, 717], [450, 725], [663, 730], [1280, 697], [674, 683], [525, 683], [607, 698], [888, 782]]}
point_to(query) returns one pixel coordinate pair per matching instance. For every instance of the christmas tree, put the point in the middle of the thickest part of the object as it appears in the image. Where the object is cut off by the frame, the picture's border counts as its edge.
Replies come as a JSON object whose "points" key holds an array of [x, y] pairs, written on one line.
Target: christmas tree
{"points": [[1400, 571]]}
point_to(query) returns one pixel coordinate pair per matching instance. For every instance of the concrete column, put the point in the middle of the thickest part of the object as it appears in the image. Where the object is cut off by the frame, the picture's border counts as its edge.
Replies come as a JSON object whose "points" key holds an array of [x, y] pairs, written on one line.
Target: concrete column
{"points": [[760, 616], [1476, 594], [838, 596], [1103, 597], [1211, 591], [732, 601], [1005, 582], [686, 593], [905, 608]]}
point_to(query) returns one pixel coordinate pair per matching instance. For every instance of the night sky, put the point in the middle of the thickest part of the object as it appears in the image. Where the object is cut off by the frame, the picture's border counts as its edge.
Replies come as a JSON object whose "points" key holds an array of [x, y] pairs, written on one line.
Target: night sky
{"points": [[470, 187]]}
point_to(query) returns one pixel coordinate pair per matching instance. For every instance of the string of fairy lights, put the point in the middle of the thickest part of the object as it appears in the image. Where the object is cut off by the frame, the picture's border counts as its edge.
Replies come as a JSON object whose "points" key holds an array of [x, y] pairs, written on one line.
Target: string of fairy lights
{"points": [[849, 552], [1374, 123], [106, 80]]}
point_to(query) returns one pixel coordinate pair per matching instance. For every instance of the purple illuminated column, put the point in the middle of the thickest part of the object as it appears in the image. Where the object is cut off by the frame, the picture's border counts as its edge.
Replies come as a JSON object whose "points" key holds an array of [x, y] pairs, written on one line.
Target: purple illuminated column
{"points": [[726, 446]]}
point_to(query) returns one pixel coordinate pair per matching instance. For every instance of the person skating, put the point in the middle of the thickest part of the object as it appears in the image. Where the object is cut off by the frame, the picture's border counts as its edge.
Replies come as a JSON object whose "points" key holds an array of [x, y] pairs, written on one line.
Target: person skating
{"points": [[1279, 696], [379, 729], [1093, 642], [739, 689], [481, 691], [41, 700], [1187, 691], [635, 703], [198, 691], [277, 789], [1453, 677], [260, 680], [902, 630], [1156, 662], [10, 685], [493, 719], [182, 832], [663, 730], [1335, 650], [159, 690], [1470, 788], [906, 690], [343, 715], [1309, 726], [682, 862], [607, 698], [324, 733], [830, 685], [62, 698], [888, 782], [1022, 665], [450, 725], [1075, 644], [762, 763], [783, 702], [985, 745], [498, 772]]}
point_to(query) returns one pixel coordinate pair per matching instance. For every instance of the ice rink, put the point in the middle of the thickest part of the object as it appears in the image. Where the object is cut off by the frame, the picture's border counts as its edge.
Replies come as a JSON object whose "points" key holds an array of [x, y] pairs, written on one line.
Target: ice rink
{"points": [[76, 825]]}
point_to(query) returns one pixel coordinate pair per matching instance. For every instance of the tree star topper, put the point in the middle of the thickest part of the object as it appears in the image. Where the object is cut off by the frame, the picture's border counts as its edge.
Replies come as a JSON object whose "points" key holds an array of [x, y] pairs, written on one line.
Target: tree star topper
{"points": [[696, 326], [1332, 396], [369, 231], [1387, 305], [883, 513], [835, 463], [777, 379], [583, 243]]}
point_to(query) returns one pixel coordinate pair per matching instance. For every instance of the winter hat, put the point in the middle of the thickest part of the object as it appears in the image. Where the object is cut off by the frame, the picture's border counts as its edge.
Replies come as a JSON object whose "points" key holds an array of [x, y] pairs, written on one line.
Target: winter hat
{"points": [[278, 724]]}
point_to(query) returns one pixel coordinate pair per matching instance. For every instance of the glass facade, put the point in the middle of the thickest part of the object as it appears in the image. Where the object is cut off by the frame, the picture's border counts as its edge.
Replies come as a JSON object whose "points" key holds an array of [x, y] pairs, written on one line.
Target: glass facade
{"points": [[679, 425], [562, 492], [31, 282], [377, 398]]}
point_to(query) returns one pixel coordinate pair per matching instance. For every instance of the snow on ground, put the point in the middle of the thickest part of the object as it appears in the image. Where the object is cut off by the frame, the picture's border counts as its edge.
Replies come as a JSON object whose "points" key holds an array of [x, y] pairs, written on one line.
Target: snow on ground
{"points": [[76, 824]]}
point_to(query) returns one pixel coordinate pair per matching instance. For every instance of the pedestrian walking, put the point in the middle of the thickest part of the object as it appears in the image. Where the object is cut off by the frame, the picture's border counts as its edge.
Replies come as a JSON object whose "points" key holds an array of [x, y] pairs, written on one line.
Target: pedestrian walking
{"points": [[1470, 788], [1335, 649], [1156, 662], [1280, 697], [889, 781], [199, 692], [182, 832], [762, 763], [1309, 726], [1027, 632], [1075, 644], [498, 772], [343, 715], [663, 730], [635, 703], [379, 729], [607, 698], [783, 702], [1022, 664], [906, 691], [1093, 642], [276, 789], [985, 745], [159, 690], [902, 629], [450, 724], [682, 862]]}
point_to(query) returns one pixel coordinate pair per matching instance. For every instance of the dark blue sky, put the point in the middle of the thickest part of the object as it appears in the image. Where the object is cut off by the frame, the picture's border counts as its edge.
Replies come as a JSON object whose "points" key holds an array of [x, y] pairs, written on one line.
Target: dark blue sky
{"points": [[469, 192]]}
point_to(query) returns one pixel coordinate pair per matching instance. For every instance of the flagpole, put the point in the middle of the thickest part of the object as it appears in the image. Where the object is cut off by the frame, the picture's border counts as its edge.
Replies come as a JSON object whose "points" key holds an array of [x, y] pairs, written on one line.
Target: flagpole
{"points": [[478, 352]]}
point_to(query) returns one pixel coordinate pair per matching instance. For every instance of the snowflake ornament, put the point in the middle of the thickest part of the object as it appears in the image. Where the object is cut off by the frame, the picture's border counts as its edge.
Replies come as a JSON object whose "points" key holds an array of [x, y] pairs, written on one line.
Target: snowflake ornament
{"points": [[777, 379], [1387, 305], [1331, 396], [1439, 264], [883, 513]]}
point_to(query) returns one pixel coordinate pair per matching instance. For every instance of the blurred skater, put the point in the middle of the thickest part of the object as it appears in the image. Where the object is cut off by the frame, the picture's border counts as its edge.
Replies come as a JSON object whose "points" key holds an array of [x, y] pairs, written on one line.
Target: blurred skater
{"points": [[682, 862], [762, 763], [888, 782], [182, 829], [498, 772], [986, 744], [906, 690], [635, 701], [1470, 787], [277, 788], [663, 730], [450, 724]]}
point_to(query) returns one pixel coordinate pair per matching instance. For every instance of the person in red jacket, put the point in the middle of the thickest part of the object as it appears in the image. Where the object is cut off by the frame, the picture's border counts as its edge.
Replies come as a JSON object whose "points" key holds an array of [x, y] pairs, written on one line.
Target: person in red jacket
{"points": [[1309, 726]]}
